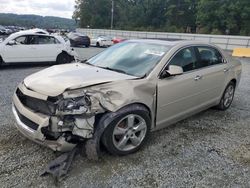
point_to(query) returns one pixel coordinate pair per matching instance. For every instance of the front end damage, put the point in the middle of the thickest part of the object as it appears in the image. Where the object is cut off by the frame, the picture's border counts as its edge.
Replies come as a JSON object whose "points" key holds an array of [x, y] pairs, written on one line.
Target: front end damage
{"points": [[57, 122], [63, 121]]}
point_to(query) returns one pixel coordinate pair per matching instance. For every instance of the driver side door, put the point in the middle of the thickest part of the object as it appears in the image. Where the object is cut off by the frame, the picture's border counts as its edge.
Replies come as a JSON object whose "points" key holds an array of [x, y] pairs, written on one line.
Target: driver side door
{"points": [[179, 96]]}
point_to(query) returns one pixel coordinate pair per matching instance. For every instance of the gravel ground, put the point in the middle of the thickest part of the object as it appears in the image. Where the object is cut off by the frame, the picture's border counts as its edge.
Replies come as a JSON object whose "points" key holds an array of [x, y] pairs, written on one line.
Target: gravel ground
{"points": [[211, 149]]}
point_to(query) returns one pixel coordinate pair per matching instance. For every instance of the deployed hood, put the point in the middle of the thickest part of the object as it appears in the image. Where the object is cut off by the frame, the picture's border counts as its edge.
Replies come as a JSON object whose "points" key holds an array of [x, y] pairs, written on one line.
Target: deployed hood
{"points": [[55, 80]]}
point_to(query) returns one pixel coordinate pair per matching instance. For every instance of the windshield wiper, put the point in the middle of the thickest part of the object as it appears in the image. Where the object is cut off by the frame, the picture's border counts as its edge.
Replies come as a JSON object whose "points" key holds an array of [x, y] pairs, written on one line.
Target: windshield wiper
{"points": [[116, 70]]}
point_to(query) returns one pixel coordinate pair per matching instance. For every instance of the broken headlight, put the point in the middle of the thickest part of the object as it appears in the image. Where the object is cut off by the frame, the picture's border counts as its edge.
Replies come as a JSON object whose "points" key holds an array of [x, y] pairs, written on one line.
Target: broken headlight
{"points": [[77, 105]]}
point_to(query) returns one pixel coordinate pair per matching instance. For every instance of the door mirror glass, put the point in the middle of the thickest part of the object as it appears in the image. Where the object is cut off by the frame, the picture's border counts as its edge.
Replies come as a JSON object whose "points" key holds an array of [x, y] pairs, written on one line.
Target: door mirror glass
{"points": [[12, 42], [173, 70]]}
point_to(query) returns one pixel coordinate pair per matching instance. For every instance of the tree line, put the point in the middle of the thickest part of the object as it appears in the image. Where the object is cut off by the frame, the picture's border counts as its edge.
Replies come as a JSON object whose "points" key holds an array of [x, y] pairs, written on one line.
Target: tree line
{"points": [[47, 22], [191, 16]]}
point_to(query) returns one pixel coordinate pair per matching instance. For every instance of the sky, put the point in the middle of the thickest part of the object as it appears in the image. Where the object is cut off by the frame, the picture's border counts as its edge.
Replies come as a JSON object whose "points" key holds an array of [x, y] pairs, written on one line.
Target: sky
{"points": [[60, 8]]}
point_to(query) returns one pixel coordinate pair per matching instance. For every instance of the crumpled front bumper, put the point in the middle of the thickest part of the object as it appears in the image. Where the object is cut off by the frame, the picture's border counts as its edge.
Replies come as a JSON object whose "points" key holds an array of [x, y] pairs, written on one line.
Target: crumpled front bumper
{"points": [[30, 124]]}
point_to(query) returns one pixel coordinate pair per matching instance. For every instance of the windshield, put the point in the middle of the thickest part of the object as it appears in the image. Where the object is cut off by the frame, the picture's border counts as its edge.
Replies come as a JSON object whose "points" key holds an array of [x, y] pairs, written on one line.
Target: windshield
{"points": [[133, 58]]}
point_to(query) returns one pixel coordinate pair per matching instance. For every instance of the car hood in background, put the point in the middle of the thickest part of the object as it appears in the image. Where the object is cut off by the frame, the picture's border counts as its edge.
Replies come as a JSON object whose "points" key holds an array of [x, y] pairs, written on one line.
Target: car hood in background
{"points": [[55, 80]]}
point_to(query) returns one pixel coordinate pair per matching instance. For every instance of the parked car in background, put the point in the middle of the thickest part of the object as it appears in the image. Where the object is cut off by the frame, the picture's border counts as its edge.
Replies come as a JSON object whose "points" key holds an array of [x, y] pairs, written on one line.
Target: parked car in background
{"points": [[78, 40], [118, 40], [34, 46], [118, 96], [3, 30], [101, 41]]}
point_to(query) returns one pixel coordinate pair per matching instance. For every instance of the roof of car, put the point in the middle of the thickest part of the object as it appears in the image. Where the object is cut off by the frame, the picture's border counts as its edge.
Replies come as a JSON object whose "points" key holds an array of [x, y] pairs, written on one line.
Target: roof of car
{"points": [[31, 31]]}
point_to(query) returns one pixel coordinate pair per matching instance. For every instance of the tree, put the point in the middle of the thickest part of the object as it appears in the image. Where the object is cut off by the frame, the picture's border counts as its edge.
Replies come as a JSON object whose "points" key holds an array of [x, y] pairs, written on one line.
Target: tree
{"points": [[213, 16], [224, 15]]}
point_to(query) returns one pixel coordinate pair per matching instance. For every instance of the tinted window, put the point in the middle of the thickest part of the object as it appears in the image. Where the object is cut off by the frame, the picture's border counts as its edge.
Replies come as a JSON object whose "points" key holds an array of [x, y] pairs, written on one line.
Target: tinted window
{"points": [[46, 40], [42, 40], [33, 39], [185, 58], [21, 40], [208, 56]]}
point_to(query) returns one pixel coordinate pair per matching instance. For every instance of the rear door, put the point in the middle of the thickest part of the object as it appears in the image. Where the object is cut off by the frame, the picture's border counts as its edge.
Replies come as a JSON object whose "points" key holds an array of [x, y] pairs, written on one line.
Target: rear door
{"points": [[45, 48], [213, 70]]}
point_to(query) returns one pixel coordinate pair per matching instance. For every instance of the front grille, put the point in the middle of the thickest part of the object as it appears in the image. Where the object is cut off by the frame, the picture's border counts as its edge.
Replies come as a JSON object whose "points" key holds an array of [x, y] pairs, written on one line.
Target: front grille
{"points": [[37, 105], [27, 121]]}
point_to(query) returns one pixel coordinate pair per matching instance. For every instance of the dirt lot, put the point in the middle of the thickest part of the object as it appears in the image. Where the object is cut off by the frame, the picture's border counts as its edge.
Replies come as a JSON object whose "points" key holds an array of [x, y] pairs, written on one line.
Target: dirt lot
{"points": [[211, 149]]}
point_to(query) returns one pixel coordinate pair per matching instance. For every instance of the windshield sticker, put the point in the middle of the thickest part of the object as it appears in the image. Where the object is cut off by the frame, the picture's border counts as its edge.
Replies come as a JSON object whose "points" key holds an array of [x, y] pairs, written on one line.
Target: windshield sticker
{"points": [[153, 52]]}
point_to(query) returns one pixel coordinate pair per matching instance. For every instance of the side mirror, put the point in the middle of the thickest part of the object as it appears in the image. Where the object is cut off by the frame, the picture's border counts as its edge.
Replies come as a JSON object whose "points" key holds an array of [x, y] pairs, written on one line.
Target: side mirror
{"points": [[173, 70], [11, 43]]}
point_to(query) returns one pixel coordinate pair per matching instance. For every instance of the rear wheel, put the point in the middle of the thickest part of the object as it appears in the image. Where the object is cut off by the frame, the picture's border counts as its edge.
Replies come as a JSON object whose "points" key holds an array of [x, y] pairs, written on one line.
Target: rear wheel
{"points": [[127, 133], [98, 44], [227, 97], [63, 58]]}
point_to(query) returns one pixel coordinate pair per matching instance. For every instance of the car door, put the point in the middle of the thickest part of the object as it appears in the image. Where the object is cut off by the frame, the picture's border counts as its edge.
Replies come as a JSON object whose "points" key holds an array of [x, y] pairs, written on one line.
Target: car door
{"points": [[213, 71], [179, 96], [17, 52], [45, 48]]}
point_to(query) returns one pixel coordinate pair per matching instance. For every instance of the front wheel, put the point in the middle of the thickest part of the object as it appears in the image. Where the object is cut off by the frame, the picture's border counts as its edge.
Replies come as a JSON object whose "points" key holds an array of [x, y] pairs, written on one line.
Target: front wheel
{"points": [[127, 133], [227, 97]]}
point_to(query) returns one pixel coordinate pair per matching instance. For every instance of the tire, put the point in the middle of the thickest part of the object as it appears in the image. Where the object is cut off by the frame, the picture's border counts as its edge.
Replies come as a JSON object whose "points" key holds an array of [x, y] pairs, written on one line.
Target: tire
{"points": [[63, 58], [98, 44], [1, 61], [227, 97], [87, 46], [120, 130]]}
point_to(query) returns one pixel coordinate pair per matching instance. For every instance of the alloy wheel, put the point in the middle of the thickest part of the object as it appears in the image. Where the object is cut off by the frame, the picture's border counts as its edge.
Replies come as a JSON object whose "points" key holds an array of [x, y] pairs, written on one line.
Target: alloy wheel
{"points": [[129, 132]]}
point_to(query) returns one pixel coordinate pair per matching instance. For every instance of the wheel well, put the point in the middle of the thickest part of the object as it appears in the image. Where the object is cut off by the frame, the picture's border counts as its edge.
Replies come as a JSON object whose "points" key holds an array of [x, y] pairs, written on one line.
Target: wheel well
{"points": [[145, 106], [141, 104], [64, 52], [234, 81], [99, 116]]}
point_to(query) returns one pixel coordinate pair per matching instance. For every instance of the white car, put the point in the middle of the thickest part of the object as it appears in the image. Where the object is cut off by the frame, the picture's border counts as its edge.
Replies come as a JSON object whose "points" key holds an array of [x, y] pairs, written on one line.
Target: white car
{"points": [[101, 41], [34, 46]]}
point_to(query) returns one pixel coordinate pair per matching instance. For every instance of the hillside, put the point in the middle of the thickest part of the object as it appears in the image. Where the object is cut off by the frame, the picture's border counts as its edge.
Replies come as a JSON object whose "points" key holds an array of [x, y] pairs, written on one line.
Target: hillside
{"points": [[37, 21]]}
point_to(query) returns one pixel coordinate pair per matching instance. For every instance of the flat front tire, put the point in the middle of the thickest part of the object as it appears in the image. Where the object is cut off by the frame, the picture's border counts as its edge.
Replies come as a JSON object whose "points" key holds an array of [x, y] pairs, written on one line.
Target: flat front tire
{"points": [[227, 97], [127, 133]]}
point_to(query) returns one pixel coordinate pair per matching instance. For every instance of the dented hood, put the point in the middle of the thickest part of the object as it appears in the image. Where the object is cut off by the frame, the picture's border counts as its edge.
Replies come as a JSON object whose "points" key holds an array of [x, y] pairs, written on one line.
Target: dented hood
{"points": [[55, 80]]}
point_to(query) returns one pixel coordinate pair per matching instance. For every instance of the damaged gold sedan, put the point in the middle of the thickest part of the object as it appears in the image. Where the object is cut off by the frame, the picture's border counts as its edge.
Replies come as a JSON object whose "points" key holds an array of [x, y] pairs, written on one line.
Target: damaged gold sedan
{"points": [[120, 95]]}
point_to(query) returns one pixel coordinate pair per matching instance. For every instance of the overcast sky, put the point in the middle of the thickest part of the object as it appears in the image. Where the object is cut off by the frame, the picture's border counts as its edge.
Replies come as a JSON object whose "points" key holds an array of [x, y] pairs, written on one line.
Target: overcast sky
{"points": [[61, 8]]}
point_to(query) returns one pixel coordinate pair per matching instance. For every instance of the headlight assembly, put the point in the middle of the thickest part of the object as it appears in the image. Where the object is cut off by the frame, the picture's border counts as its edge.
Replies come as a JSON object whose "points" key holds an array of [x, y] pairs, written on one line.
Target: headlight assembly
{"points": [[77, 105]]}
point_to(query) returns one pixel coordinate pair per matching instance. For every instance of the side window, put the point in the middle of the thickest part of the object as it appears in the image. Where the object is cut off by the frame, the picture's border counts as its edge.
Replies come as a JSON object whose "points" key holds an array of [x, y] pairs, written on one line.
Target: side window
{"points": [[57, 41], [21, 40], [33, 40], [46, 40], [185, 58], [208, 56]]}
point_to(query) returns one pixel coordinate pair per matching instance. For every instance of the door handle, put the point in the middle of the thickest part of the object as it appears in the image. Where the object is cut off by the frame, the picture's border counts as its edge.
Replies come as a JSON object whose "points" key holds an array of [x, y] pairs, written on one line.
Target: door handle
{"points": [[226, 70], [198, 77]]}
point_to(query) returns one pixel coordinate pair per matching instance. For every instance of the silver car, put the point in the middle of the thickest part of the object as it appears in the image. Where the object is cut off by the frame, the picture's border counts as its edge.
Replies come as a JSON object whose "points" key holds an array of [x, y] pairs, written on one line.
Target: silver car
{"points": [[120, 95]]}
